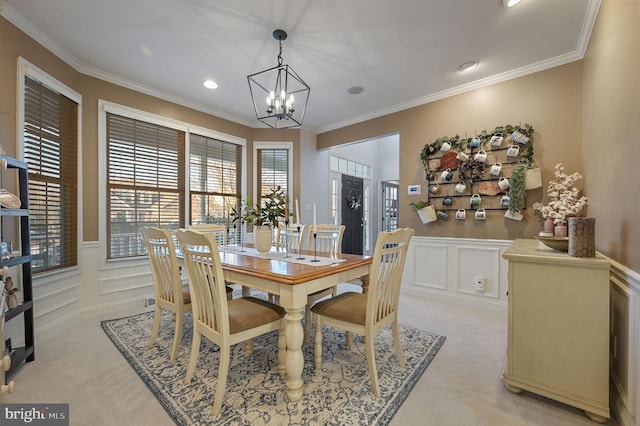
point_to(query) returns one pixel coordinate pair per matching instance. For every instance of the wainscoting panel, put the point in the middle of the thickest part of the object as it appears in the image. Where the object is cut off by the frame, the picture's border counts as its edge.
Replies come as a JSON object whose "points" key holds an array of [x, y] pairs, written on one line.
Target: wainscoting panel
{"points": [[625, 344], [429, 265], [446, 268], [478, 262]]}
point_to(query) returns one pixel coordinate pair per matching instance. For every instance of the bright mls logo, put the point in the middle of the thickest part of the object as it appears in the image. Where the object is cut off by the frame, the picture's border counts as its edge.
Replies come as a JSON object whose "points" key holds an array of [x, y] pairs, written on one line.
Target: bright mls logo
{"points": [[36, 414]]}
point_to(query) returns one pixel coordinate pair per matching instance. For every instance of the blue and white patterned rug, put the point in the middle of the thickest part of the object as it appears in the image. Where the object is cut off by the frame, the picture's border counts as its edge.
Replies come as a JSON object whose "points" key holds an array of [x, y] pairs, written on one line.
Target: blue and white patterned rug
{"points": [[340, 394]]}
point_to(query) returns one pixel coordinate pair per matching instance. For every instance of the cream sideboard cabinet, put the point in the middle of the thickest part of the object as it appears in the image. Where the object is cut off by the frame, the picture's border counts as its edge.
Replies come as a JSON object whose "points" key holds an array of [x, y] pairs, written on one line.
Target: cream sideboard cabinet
{"points": [[558, 341]]}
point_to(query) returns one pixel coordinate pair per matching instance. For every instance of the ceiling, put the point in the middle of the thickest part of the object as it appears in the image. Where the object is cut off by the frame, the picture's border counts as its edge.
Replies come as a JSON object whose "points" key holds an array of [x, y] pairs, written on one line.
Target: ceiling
{"points": [[403, 53]]}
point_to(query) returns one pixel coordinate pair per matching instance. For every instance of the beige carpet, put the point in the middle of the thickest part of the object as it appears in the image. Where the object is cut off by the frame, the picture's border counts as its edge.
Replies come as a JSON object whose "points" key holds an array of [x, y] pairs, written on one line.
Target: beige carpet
{"points": [[339, 394]]}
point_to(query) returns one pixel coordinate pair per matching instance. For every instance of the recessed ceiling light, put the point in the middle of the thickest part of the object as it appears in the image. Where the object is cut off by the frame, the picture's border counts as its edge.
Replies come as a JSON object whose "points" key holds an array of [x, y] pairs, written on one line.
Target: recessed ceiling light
{"points": [[511, 3], [355, 90], [468, 66], [210, 84]]}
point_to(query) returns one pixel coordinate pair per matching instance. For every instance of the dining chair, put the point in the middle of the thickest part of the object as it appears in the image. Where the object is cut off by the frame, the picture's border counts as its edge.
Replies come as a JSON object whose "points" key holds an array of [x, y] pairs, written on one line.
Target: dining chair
{"points": [[290, 237], [224, 322], [219, 232], [369, 313], [169, 291], [327, 242]]}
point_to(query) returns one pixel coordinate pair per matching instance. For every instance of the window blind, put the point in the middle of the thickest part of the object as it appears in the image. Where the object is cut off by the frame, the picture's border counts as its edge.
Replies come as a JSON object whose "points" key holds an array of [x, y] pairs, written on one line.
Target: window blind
{"points": [[145, 182], [51, 152], [215, 179], [273, 170]]}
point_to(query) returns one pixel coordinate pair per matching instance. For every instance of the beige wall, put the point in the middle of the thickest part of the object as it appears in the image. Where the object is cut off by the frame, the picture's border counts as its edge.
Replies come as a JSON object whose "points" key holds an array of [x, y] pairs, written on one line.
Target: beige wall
{"points": [[611, 128], [14, 43], [550, 100]]}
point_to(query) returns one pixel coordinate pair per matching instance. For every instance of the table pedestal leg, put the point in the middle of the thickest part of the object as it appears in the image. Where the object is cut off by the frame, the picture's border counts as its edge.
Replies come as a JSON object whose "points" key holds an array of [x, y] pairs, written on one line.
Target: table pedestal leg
{"points": [[295, 358]]}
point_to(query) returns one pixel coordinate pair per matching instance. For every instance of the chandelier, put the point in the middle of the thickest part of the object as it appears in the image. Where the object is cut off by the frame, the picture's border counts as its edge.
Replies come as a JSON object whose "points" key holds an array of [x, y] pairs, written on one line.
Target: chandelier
{"points": [[279, 95]]}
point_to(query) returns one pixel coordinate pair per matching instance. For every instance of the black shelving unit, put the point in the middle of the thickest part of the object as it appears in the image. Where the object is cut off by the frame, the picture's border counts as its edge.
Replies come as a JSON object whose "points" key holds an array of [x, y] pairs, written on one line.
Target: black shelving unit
{"points": [[25, 353]]}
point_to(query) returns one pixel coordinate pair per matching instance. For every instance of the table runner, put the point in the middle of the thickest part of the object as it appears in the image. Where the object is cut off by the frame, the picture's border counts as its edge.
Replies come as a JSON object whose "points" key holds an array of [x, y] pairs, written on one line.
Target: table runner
{"points": [[293, 257]]}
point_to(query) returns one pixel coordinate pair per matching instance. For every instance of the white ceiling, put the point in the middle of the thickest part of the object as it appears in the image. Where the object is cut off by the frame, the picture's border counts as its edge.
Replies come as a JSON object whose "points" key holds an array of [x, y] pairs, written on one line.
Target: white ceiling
{"points": [[403, 52]]}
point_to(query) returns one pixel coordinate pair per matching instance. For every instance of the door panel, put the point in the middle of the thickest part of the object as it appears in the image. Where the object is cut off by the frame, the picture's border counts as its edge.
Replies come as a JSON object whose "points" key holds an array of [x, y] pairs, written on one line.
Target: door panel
{"points": [[352, 203]]}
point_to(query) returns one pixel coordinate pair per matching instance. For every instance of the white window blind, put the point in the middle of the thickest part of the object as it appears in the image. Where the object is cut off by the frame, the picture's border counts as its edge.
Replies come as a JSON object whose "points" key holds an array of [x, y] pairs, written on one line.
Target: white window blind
{"points": [[51, 152]]}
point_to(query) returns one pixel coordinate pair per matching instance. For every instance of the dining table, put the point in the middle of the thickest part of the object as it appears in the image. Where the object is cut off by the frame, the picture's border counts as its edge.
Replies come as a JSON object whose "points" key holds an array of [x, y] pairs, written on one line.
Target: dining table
{"points": [[291, 276]]}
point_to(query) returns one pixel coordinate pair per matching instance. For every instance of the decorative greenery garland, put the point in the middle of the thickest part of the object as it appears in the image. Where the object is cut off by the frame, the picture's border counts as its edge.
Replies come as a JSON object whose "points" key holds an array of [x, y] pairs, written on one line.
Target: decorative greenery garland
{"points": [[461, 144]]}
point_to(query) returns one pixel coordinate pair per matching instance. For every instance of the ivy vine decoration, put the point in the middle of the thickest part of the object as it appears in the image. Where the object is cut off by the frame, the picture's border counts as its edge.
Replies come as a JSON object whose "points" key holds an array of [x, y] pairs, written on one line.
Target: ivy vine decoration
{"points": [[471, 171], [353, 200]]}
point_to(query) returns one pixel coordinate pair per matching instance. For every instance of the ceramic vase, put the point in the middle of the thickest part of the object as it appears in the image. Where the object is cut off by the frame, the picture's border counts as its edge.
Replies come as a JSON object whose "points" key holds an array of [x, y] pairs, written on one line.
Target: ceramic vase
{"points": [[582, 236], [548, 226], [560, 231], [262, 236]]}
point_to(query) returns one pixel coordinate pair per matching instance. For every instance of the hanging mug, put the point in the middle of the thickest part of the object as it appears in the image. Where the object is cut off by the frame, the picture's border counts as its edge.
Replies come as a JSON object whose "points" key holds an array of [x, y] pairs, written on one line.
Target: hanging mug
{"points": [[447, 175], [520, 138], [481, 156], [503, 183], [430, 176], [480, 214], [505, 200], [447, 201], [461, 214], [434, 189], [475, 142], [462, 156], [496, 139], [513, 151], [445, 147], [495, 169], [443, 215], [475, 200], [461, 188]]}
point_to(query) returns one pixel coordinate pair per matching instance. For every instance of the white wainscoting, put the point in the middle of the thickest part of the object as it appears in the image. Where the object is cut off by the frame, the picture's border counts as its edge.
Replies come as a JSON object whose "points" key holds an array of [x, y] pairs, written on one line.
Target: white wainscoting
{"points": [[446, 268], [625, 344]]}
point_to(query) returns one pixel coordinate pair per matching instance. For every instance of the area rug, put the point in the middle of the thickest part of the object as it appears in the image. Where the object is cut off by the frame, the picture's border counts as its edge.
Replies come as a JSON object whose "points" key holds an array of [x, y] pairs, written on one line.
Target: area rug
{"points": [[339, 394]]}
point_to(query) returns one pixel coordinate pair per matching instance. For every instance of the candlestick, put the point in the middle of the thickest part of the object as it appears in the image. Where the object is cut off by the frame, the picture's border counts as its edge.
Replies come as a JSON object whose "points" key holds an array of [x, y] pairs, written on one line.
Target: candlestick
{"points": [[286, 210], [297, 213], [314, 217]]}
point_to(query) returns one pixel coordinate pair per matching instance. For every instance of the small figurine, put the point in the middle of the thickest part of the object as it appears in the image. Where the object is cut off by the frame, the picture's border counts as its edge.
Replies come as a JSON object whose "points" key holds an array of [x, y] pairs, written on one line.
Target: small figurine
{"points": [[12, 294]]}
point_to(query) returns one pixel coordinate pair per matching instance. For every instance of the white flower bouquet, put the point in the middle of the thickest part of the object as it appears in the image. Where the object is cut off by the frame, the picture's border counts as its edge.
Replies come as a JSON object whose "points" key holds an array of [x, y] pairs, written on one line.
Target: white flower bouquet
{"points": [[564, 198]]}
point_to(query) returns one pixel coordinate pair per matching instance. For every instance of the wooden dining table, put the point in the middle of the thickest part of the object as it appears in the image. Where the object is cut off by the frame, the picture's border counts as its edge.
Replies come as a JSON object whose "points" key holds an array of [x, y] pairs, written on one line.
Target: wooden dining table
{"points": [[292, 283]]}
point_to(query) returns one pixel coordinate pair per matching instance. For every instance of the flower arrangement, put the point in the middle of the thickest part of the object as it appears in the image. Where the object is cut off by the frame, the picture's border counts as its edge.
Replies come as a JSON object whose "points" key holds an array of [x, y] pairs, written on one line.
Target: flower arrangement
{"points": [[564, 197]]}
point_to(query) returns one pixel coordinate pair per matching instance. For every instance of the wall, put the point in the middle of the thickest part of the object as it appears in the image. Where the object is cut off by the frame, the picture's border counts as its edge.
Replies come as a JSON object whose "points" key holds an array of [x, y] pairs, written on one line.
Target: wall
{"points": [[611, 154], [538, 99]]}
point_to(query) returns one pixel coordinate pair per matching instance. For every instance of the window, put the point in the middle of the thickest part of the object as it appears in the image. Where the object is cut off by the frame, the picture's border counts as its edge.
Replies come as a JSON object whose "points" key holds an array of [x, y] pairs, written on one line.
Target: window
{"points": [[273, 168], [215, 169], [50, 135], [145, 182], [161, 172]]}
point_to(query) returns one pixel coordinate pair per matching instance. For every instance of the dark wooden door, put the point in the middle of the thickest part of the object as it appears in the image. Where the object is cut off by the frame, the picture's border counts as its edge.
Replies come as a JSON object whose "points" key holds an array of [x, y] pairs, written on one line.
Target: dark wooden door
{"points": [[352, 208]]}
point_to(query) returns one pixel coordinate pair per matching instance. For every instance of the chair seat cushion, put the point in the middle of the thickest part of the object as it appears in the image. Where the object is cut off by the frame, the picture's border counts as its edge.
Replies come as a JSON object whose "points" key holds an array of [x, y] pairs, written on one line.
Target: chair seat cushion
{"points": [[248, 312], [350, 307], [186, 295]]}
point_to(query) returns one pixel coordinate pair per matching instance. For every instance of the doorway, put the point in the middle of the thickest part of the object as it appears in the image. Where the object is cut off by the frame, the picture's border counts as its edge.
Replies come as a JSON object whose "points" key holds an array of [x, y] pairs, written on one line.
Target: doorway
{"points": [[390, 206], [352, 214]]}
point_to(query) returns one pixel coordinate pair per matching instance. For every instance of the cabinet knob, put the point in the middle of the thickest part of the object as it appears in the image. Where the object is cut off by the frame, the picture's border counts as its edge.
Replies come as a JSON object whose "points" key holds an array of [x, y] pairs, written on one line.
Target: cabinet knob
{"points": [[8, 388], [6, 363]]}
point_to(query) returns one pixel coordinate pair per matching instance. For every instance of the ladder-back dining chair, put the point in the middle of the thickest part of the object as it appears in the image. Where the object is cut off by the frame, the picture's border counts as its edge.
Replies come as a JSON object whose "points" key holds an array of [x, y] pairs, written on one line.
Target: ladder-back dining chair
{"points": [[224, 322], [219, 232], [290, 237], [368, 314], [169, 291], [327, 242]]}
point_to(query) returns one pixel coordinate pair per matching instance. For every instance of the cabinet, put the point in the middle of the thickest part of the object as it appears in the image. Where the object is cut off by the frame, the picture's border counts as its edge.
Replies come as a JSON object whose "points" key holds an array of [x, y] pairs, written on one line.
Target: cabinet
{"points": [[18, 219], [558, 327]]}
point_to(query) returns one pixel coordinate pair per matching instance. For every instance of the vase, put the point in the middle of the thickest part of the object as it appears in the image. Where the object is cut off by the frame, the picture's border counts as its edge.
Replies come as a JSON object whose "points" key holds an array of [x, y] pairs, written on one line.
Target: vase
{"points": [[582, 237], [560, 231], [548, 226], [262, 237]]}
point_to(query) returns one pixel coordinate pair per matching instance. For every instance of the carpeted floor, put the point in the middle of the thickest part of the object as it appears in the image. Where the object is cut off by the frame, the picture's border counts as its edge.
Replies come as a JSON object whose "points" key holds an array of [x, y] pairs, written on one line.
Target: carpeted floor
{"points": [[340, 394]]}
